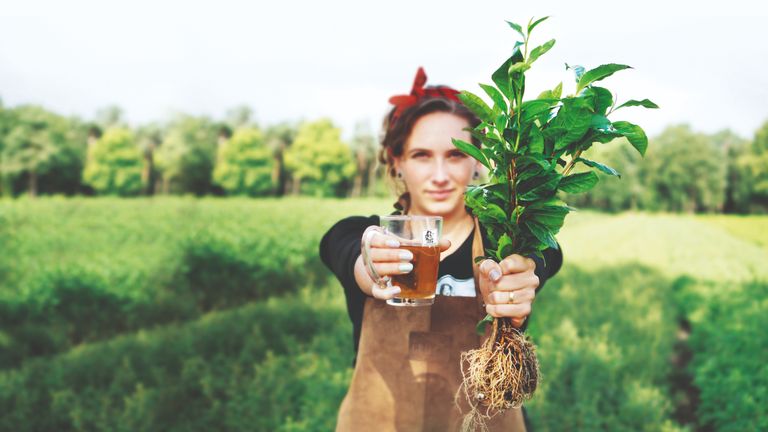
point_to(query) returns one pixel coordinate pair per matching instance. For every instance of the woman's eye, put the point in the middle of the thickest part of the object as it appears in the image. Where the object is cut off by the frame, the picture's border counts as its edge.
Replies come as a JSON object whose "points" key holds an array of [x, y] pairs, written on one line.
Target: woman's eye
{"points": [[419, 155], [458, 155]]}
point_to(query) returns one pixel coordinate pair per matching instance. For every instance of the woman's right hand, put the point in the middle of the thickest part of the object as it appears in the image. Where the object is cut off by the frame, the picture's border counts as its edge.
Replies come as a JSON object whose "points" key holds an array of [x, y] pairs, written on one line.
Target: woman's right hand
{"points": [[383, 257]]}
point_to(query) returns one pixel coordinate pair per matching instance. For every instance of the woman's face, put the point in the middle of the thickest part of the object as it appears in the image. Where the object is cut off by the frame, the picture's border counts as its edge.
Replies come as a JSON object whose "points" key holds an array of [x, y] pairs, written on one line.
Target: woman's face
{"points": [[435, 172]]}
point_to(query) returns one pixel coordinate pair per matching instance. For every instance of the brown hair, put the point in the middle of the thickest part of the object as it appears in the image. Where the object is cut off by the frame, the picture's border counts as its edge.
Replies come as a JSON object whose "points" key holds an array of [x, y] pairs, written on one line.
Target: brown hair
{"points": [[397, 133]]}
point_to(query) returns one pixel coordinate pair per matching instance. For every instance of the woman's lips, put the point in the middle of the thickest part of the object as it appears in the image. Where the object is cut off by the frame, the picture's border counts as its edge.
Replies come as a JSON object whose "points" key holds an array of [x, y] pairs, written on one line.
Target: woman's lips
{"points": [[441, 194]]}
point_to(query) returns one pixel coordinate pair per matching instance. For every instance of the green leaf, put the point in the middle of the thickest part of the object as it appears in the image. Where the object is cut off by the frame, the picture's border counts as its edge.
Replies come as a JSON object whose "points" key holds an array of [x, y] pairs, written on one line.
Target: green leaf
{"points": [[519, 67], [480, 328], [495, 96], [550, 217], [501, 76], [600, 122], [571, 122], [598, 73], [605, 136], [602, 98], [541, 233], [477, 106], [546, 94], [474, 198], [499, 190], [501, 123], [517, 28], [496, 213], [549, 202], [489, 153], [538, 187], [536, 143], [646, 103], [577, 183], [535, 23], [534, 108], [472, 151], [505, 246], [634, 133], [540, 50], [557, 93], [604, 168]]}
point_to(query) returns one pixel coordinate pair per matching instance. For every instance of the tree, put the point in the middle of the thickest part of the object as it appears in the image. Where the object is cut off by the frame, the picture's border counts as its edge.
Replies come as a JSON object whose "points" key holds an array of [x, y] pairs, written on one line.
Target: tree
{"points": [[319, 162], [149, 138], [364, 148], [279, 138], [244, 164], [114, 164], [631, 191], [756, 163], [687, 171], [186, 156], [737, 189], [37, 142], [5, 125]]}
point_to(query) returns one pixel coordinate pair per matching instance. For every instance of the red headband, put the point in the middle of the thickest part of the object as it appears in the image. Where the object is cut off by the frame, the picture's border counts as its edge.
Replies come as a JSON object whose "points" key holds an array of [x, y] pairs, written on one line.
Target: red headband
{"points": [[418, 91]]}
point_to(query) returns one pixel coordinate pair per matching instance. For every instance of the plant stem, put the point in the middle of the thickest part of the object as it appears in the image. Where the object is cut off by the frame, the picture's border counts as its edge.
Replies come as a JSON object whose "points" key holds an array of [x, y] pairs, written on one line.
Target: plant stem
{"points": [[570, 164]]}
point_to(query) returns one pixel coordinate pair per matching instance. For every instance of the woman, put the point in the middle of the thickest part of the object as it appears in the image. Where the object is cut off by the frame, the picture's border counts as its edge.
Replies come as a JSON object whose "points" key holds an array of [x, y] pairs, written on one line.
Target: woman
{"points": [[407, 367]]}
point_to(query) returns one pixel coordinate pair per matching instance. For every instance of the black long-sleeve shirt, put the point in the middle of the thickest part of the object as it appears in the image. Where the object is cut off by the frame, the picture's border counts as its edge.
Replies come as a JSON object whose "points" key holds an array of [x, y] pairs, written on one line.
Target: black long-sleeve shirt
{"points": [[340, 247]]}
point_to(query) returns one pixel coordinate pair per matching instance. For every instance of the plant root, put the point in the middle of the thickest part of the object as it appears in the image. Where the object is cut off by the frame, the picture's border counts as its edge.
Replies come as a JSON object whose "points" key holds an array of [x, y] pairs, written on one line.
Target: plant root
{"points": [[501, 374]]}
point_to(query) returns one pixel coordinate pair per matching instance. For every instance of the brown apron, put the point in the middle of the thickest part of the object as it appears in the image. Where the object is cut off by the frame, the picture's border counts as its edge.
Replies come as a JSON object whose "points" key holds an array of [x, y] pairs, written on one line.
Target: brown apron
{"points": [[408, 371]]}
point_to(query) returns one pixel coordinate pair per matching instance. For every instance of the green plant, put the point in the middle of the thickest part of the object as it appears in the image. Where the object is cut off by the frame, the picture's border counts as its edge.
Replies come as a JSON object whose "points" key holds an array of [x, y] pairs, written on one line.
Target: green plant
{"points": [[530, 148]]}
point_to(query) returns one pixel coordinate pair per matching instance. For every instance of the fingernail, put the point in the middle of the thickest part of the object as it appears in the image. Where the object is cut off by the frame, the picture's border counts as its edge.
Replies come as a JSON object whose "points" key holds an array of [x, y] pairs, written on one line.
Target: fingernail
{"points": [[406, 267], [393, 243], [494, 275], [396, 290], [406, 255]]}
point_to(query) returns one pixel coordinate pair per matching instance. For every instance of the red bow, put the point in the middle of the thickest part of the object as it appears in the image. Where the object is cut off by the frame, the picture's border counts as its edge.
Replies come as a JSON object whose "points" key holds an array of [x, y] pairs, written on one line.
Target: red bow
{"points": [[417, 92]]}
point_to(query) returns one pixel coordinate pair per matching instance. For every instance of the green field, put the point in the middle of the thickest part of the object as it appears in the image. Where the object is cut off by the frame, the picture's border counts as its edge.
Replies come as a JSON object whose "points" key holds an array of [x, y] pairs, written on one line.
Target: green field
{"points": [[179, 314]]}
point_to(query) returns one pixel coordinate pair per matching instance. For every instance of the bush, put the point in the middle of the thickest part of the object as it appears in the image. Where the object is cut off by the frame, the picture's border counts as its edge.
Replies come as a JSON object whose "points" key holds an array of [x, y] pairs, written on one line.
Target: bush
{"points": [[730, 348], [604, 341], [88, 270], [234, 370]]}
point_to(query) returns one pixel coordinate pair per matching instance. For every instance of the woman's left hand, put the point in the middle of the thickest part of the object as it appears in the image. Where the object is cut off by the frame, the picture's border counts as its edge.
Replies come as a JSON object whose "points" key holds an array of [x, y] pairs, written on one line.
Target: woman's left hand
{"points": [[509, 287]]}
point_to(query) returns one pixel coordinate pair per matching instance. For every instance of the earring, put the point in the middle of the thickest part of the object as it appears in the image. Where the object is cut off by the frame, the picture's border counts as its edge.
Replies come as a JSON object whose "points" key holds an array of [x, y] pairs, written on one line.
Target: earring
{"points": [[476, 175], [400, 174]]}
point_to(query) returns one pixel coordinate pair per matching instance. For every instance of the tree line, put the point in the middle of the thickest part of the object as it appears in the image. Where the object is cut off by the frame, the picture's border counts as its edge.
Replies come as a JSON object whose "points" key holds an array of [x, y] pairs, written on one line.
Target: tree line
{"points": [[686, 171], [42, 152]]}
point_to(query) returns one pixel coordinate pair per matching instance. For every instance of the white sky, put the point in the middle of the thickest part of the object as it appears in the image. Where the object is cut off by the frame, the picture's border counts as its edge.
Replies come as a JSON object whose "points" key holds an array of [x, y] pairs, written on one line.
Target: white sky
{"points": [[704, 62]]}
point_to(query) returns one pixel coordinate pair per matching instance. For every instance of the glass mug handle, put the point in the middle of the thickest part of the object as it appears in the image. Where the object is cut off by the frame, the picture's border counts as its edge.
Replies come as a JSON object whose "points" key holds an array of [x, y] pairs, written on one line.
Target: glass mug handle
{"points": [[367, 236]]}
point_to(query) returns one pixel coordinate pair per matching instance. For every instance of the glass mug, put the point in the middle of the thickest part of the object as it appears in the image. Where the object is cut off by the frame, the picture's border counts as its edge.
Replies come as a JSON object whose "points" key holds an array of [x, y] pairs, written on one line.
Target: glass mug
{"points": [[420, 235]]}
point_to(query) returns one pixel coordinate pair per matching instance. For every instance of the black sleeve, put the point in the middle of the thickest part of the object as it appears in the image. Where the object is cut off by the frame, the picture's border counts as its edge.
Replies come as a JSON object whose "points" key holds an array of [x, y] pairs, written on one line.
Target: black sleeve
{"points": [[339, 249], [545, 271]]}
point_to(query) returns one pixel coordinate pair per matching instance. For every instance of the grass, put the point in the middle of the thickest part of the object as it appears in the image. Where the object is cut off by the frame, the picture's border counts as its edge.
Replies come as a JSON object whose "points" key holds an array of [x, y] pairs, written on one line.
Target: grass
{"points": [[675, 245], [605, 326]]}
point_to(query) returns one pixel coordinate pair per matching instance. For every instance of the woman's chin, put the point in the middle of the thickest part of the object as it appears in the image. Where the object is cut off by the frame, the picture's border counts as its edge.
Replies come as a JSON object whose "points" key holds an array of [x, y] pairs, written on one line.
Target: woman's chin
{"points": [[443, 207]]}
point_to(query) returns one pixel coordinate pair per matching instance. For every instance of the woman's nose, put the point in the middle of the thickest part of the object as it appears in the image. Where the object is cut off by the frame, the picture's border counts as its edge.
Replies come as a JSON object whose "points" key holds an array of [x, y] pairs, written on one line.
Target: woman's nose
{"points": [[440, 176]]}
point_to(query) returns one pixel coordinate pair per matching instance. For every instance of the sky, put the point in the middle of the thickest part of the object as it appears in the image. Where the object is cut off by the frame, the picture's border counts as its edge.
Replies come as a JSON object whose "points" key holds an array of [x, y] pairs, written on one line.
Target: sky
{"points": [[704, 62]]}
